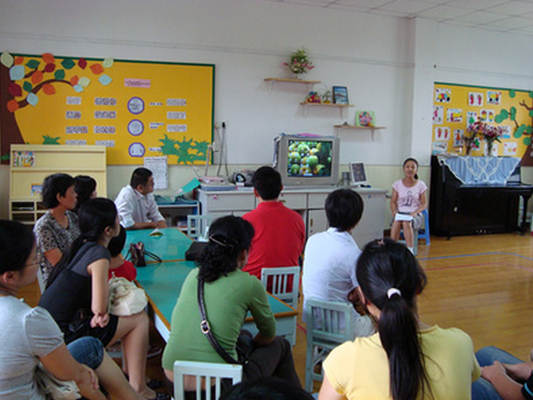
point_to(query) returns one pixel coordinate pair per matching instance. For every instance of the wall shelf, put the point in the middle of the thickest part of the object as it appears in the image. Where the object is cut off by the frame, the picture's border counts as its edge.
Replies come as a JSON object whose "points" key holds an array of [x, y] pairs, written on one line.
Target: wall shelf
{"points": [[367, 128], [271, 81], [342, 107]]}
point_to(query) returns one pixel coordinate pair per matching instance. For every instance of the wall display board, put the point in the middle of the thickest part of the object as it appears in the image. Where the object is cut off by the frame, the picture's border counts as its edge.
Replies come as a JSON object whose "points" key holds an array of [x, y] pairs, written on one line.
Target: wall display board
{"points": [[135, 108], [455, 106]]}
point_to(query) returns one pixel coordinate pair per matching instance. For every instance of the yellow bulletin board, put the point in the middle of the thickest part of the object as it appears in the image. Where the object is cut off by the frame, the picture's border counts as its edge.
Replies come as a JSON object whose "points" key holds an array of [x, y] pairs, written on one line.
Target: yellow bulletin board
{"points": [[136, 109], [455, 106]]}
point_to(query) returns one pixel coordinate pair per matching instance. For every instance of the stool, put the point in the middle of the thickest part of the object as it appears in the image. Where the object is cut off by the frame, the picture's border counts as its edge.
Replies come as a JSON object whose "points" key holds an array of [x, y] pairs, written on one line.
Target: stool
{"points": [[424, 233]]}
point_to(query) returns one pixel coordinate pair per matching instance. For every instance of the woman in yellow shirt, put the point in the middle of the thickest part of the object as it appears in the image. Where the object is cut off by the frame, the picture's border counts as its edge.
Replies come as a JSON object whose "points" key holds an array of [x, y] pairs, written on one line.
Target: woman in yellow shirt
{"points": [[406, 359]]}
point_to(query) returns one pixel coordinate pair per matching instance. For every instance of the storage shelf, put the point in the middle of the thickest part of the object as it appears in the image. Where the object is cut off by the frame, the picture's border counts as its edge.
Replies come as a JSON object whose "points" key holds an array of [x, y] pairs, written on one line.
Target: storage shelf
{"points": [[291, 80], [358, 127], [305, 103]]}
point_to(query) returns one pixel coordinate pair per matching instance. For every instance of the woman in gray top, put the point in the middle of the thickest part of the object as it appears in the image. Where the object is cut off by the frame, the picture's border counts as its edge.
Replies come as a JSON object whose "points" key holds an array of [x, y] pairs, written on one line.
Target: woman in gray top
{"points": [[30, 335]]}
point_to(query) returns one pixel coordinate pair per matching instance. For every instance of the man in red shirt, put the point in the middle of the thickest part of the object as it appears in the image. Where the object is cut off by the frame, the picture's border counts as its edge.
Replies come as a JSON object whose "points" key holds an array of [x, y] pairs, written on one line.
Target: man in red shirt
{"points": [[279, 231]]}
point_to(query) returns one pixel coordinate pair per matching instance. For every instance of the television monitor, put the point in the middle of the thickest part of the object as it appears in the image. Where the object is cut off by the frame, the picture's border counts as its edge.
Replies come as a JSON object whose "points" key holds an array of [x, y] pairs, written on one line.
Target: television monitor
{"points": [[307, 160], [357, 173]]}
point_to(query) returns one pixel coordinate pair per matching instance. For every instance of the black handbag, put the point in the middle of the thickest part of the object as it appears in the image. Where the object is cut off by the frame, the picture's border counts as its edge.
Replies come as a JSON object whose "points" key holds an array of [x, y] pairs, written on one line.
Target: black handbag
{"points": [[137, 255], [195, 250]]}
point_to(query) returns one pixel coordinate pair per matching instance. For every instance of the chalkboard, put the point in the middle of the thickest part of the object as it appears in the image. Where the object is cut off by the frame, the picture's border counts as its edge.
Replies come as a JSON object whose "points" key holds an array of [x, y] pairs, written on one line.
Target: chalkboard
{"points": [[136, 109]]}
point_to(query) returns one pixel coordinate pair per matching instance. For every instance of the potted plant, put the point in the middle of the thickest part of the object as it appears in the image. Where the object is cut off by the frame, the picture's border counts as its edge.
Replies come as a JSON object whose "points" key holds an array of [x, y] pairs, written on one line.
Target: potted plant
{"points": [[299, 63]]}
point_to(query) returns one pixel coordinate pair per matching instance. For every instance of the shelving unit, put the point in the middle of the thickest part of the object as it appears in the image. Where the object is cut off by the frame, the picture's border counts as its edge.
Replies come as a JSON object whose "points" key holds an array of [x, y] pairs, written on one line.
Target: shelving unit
{"points": [[342, 107], [366, 128], [30, 164], [271, 81]]}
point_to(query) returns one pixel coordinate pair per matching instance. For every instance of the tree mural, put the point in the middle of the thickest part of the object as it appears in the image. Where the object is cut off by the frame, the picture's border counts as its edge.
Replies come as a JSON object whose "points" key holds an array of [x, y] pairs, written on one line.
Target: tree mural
{"points": [[522, 131], [187, 151], [25, 80]]}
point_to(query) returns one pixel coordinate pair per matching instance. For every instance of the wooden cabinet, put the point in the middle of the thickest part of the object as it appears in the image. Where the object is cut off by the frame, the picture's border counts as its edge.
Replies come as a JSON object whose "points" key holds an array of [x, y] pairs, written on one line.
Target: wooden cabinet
{"points": [[30, 164], [308, 202]]}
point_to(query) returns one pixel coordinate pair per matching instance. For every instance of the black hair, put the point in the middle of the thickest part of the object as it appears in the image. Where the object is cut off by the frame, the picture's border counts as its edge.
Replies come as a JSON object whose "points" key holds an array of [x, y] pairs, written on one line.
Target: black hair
{"points": [[413, 160], [383, 265], [140, 177], [116, 244], [84, 186], [16, 244], [53, 185], [228, 237], [266, 388], [267, 182], [344, 209], [94, 216]]}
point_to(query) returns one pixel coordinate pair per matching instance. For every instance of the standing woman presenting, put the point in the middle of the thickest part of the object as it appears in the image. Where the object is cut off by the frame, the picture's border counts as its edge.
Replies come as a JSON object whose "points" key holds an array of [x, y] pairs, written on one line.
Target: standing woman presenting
{"points": [[408, 199]]}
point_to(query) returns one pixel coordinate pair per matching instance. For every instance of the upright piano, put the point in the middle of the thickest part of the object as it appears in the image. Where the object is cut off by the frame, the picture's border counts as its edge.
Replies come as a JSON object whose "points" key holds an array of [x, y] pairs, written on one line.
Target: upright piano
{"points": [[476, 195]]}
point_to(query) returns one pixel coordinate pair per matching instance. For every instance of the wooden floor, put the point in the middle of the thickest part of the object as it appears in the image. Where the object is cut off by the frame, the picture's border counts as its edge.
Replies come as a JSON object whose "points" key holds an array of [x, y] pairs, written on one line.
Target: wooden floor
{"points": [[481, 284]]}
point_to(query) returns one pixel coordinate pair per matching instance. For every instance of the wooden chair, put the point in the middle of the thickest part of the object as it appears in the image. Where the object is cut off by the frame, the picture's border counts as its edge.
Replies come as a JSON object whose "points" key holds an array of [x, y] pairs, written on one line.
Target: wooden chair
{"points": [[329, 324], [204, 372]]}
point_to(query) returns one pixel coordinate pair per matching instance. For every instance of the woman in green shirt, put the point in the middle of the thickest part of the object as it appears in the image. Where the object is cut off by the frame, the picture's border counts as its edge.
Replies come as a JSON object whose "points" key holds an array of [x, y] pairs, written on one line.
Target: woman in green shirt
{"points": [[229, 293]]}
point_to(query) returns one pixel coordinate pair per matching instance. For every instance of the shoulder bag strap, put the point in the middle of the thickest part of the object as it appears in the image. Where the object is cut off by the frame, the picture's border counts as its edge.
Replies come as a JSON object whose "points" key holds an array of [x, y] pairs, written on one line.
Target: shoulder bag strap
{"points": [[206, 329]]}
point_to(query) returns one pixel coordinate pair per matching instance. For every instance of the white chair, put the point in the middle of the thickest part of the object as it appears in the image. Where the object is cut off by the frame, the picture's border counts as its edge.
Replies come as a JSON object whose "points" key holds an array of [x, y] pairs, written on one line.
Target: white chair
{"points": [[328, 325], [276, 281], [198, 226], [204, 372]]}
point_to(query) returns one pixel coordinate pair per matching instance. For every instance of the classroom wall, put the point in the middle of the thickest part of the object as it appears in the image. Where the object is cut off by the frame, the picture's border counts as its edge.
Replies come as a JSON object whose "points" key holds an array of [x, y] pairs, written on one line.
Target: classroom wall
{"points": [[388, 64]]}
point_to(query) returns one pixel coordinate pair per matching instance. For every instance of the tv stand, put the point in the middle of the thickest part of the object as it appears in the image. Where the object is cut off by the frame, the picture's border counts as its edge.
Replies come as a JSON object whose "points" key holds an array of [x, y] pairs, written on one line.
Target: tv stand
{"points": [[308, 202]]}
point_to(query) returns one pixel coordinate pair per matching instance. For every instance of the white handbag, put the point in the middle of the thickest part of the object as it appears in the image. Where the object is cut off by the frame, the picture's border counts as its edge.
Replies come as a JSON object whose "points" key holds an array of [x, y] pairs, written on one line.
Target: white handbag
{"points": [[125, 298], [53, 388]]}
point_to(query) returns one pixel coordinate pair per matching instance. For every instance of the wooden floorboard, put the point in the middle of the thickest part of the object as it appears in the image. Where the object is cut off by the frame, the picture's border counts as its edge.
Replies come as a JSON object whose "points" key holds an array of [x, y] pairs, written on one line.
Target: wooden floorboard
{"points": [[481, 284]]}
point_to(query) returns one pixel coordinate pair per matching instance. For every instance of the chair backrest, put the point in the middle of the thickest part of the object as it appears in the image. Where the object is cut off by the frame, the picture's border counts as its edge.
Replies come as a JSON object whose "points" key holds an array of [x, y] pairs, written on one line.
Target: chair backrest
{"points": [[328, 322], [282, 282], [204, 372], [198, 225]]}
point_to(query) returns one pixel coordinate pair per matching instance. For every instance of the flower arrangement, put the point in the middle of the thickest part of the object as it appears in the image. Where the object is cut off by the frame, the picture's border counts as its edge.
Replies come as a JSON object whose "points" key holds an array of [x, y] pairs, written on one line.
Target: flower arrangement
{"points": [[489, 133], [300, 62]]}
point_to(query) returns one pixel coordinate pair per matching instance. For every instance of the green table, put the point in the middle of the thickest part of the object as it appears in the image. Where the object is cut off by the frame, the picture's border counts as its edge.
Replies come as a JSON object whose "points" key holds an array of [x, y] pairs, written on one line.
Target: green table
{"points": [[162, 282]]}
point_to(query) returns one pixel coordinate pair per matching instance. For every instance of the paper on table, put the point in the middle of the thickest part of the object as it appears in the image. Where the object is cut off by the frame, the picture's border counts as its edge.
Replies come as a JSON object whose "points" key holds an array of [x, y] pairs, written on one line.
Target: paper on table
{"points": [[156, 232], [403, 217]]}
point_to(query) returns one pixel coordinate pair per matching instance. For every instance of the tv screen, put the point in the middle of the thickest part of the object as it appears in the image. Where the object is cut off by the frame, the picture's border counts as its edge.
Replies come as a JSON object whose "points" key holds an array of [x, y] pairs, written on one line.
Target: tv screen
{"points": [[308, 158]]}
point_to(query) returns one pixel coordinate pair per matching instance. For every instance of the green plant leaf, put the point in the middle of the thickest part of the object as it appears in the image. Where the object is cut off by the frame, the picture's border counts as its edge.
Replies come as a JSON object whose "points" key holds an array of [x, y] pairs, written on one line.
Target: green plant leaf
{"points": [[531, 94], [527, 140], [27, 86], [529, 129], [512, 94], [59, 74], [518, 133], [32, 64], [513, 113], [67, 63]]}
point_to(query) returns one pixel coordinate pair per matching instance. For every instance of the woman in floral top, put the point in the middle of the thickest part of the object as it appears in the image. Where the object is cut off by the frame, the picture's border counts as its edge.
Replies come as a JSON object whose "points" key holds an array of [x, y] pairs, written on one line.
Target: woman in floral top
{"points": [[58, 228]]}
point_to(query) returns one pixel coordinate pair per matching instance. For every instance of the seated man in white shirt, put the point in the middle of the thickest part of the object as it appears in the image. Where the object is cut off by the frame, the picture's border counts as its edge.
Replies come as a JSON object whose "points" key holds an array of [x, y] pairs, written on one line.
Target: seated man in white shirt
{"points": [[136, 204], [330, 258]]}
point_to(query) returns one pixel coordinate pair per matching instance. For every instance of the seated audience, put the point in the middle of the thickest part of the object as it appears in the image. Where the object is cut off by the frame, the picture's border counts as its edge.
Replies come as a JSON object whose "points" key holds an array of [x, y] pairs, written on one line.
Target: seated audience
{"points": [[229, 294], [406, 359], [30, 335], [136, 203], [58, 227], [85, 188], [266, 389], [279, 231], [503, 376], [330, 258], [77, 294]]}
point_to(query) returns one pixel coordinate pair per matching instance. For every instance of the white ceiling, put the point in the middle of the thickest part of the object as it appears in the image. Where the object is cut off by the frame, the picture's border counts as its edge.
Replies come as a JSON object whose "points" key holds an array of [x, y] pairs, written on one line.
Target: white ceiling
{"points": [[497, 15]]}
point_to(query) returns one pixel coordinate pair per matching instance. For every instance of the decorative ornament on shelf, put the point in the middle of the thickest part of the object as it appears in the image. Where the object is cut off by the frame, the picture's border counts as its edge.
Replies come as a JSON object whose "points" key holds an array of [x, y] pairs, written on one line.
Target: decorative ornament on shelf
{"points": [[299, 63]]}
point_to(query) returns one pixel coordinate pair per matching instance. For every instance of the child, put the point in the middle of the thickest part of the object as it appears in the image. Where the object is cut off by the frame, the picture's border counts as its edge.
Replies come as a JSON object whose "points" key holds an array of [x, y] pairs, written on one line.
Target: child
{"points": [[408, 198]]}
